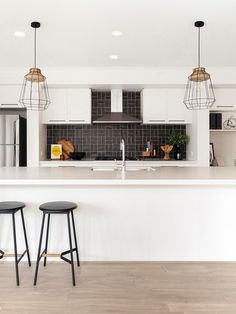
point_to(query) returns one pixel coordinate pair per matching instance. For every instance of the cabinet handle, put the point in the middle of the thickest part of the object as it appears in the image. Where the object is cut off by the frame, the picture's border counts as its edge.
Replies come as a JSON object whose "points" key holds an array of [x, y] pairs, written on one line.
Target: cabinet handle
{"points": [[224, 106], [57, 120], [176, 120], [157, 120], [76, 120]]}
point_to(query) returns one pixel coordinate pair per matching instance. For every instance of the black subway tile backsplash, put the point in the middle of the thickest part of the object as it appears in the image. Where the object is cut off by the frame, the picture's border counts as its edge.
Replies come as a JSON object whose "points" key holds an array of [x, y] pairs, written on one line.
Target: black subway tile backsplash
{"points": [[104, 139]]}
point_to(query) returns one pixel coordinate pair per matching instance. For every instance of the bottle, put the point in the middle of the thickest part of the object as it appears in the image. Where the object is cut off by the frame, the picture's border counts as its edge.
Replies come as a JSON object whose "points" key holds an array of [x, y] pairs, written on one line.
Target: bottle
{"points": [[154, 152]]}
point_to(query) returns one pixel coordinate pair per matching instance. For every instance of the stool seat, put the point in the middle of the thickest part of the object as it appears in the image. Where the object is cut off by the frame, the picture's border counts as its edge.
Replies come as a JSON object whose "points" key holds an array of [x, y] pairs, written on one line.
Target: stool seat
{"points": [[10, 206], [58, 207]]}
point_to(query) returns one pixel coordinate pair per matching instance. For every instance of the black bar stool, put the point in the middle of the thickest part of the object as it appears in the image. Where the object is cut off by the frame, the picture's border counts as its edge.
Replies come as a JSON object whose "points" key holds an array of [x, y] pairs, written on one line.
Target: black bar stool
{"points": [[12, 208], [57, 208]]}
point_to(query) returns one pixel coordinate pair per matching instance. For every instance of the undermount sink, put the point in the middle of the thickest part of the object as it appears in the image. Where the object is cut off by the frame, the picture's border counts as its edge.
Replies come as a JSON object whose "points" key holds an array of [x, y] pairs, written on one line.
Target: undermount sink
{"points": [[120, 169], [141, 169], [105, 169]]}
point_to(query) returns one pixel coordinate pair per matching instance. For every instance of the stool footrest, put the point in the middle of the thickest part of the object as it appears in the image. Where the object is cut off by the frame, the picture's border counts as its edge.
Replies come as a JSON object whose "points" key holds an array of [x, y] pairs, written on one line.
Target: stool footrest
{"points": [[65, 253], [21, 256], [3, 255], [43, 254], [51, 255]]}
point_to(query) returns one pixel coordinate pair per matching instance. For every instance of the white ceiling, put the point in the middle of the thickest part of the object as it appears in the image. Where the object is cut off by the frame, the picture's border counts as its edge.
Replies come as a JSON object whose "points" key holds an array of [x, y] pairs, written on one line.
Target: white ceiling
{"points": [[156, 32]]}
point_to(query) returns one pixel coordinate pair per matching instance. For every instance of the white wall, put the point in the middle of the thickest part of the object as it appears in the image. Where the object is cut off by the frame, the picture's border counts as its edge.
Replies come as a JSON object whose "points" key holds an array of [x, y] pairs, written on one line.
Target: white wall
{"points": [[134, 76], [198, 132], [33, 143], [225, 141], [225, 147]]}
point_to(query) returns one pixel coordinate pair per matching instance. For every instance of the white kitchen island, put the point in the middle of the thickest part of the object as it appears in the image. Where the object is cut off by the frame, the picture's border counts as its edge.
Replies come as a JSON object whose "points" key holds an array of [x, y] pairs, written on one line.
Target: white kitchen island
{"points": [[171, 214]]}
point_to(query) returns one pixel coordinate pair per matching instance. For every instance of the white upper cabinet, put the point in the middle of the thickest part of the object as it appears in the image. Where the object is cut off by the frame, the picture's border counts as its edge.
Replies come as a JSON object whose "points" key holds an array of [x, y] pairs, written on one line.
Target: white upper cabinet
{"points": [[69, 106], [164, 105], [57, 110], [177, 112], [79, 105], [225, 99], [154, 105], [9, 96]]}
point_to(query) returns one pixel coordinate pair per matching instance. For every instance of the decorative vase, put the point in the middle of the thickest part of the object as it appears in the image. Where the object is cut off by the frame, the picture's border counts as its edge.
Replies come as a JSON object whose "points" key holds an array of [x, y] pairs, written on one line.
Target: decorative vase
{"points": [[178, 152], [166, 149]]}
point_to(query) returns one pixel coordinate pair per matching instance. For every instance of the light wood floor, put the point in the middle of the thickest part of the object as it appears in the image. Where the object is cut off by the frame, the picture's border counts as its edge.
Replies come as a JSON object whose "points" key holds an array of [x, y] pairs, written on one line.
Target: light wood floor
{"points": [[120, 288]]}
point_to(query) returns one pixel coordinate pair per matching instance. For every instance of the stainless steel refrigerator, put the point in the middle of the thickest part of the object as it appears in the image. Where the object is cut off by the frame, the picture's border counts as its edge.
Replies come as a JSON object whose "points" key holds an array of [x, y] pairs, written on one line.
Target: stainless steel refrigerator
{"points": [[13, 141]]}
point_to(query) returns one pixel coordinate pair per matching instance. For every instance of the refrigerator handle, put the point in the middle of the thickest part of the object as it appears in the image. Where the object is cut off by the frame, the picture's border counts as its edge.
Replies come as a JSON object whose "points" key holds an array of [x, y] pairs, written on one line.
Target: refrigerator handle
{"points": [[14, 142]]}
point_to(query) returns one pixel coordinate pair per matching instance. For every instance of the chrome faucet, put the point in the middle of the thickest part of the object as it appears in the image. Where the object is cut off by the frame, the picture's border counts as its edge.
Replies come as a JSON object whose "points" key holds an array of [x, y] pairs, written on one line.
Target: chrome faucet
{"points": [[122, 148]]}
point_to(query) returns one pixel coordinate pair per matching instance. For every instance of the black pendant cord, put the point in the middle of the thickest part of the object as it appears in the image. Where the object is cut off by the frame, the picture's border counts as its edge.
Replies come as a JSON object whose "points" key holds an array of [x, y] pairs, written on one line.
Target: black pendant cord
{"points": [[199, 46], [35, 47], [35, 25], [199, 24]]}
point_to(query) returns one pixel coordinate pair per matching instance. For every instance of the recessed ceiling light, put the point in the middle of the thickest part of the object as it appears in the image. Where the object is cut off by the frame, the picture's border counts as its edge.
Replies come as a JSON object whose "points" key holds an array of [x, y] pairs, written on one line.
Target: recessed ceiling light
{"points": [[117, 33], [113, 57], [19, 34]]}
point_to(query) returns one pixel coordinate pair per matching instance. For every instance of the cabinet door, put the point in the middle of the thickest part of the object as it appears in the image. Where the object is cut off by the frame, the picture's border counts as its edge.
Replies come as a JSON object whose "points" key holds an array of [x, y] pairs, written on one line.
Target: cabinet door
{"points": [[154, 106], [9, 96], [79, 105], [177, 111], [57, 110], [225, 99]]}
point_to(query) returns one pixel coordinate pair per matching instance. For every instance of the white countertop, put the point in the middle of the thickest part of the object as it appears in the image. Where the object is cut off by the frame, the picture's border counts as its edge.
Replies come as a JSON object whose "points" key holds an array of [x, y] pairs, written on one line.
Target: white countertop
{"points": [[84, 176], [84, 163]]}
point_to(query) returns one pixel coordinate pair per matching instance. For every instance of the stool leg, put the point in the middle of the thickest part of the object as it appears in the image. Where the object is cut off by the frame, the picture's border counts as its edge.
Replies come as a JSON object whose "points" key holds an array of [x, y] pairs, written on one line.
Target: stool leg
{"points": [[39, 251], [76, 245], [46, 243], [71, 253], [26, 241], [15, 249]]}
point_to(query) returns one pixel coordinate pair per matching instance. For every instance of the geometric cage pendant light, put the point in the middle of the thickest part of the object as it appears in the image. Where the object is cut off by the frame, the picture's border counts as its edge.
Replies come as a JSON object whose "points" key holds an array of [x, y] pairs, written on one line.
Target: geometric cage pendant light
{"points": [[199, 93], [34, 92]]}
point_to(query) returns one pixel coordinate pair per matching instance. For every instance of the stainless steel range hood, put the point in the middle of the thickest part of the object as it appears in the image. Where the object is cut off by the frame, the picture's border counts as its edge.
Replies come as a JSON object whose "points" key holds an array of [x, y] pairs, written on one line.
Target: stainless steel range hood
{"points": [[117, 115]]}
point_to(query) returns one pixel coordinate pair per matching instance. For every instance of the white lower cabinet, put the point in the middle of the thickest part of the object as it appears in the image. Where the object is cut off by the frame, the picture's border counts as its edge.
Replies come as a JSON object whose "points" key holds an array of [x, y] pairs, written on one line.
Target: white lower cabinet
{"points": [[164, 106], [69, 106]]}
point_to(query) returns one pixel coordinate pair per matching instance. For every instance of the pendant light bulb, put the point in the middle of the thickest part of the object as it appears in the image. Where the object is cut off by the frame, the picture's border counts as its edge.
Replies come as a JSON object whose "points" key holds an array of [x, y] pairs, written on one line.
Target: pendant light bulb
{"points": [[34, 93], [199, 92]]}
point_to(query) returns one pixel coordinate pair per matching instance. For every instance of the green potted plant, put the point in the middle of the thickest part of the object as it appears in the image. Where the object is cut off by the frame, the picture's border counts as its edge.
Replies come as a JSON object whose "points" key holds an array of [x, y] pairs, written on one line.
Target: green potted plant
{"points": [[178, 140]]}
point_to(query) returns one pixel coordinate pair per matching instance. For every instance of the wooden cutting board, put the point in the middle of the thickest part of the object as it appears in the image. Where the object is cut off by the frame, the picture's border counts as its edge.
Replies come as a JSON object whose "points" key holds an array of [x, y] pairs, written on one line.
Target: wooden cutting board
{"points": [[67, 147]]}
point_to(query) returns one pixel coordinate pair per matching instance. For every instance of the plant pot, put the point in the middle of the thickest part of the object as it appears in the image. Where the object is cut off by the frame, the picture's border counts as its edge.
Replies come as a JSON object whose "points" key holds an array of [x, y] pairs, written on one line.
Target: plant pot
{"points": [[178, 152]]}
